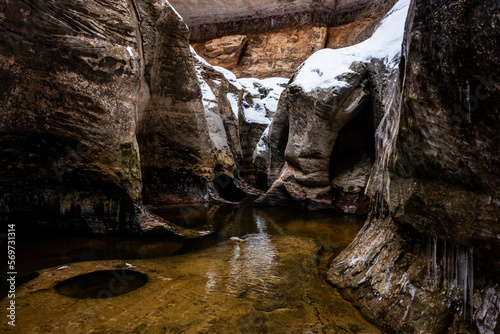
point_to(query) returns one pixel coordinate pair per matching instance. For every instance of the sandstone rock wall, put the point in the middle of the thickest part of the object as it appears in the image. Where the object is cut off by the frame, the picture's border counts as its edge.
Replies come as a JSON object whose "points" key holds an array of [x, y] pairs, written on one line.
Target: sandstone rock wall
{"points": [[213, 19], [68, 113], [279, 37], [269, 54], [435, 182], [80, 82], [326, 93], [177, 150], [314, 120]]}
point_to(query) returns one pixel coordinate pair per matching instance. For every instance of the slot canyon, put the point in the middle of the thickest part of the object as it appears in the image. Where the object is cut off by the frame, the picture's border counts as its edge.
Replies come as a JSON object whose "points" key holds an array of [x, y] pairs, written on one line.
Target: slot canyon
{"points": [[228, 166]]}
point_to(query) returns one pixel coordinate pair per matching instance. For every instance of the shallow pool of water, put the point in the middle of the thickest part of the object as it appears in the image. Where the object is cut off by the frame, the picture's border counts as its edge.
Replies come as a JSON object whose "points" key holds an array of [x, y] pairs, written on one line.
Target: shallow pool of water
{"points": [[259, 272]]}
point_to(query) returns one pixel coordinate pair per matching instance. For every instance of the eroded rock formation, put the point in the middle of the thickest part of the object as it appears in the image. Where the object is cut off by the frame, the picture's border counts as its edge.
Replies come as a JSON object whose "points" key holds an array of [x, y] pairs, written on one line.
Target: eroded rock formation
{"points": [[68, 114], [82, 81], [258, 104], [180, 132], [434, 187], [278, 37], [219, 18], [224, 51], [269, 54], [314, 120], [327, 92]]}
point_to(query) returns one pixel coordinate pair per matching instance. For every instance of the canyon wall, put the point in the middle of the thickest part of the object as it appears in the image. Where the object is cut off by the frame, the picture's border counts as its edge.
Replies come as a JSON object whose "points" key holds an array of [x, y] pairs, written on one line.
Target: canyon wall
{"points": [[262, 39], [175, 130], [68, 112], [214, 19], [335, 94], [101, 107], [427, 259]]}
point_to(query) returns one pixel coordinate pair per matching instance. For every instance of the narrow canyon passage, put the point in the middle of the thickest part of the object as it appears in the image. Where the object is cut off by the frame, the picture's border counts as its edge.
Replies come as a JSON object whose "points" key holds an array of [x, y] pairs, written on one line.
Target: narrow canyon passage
{"points": [[228, 166], [269, 278]]}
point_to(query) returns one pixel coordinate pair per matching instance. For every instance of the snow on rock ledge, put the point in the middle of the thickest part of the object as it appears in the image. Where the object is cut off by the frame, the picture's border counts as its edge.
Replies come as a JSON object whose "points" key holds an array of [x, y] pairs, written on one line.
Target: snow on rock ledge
{"points": [[258, 106], [260, 99], [237, 111], [325, 68], [327, 91]]}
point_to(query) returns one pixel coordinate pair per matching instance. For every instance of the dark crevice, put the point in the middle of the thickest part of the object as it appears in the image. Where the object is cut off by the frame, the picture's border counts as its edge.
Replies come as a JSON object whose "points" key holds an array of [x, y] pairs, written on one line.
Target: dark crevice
{"points": [[227, 189], [354, 148]]}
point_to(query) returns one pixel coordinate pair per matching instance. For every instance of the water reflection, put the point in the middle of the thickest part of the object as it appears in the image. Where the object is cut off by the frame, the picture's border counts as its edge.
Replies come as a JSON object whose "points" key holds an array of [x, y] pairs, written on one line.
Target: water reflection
{"points": [[267, 282], [253, 265], [249, 240]]}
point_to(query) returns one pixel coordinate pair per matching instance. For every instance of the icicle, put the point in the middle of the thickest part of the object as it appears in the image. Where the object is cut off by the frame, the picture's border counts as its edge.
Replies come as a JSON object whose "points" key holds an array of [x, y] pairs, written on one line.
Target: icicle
{"points": [[434, 261], [464, 270], [445, 265], [455, 260], [457, 270], [429, 257], [451, 266], [469, 109], [471, 280]]}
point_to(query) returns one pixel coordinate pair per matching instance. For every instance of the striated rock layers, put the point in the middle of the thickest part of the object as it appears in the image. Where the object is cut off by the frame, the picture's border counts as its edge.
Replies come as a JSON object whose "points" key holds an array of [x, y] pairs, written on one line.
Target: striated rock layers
{"points": [[100, 99], [313, 122], [427, 260], [70, 96], [334, 90], [214, 19], [276, 37], [181, 136], [269, 54]]}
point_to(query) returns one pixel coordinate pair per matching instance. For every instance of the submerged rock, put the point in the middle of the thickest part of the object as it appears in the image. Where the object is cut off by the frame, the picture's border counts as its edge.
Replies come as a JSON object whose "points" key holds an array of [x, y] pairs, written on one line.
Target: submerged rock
{"points": [[265, 284]]}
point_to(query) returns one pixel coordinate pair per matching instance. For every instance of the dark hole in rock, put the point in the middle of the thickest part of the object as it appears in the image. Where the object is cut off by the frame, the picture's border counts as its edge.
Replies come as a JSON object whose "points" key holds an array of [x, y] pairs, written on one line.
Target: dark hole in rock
{"points": [[351, 161], [102, 284], [261, 182], [227, 189]]}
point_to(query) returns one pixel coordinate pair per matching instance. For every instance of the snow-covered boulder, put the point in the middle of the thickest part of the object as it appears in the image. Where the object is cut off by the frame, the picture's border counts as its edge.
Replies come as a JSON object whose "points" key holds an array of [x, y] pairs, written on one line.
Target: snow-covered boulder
{"points": [[326, 92]]}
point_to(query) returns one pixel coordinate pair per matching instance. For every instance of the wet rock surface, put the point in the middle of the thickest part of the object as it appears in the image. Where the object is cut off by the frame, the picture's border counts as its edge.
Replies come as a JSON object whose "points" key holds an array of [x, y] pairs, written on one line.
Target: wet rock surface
{"points": [[434, 180], [99, 116], [68, 114], [447, 143]]}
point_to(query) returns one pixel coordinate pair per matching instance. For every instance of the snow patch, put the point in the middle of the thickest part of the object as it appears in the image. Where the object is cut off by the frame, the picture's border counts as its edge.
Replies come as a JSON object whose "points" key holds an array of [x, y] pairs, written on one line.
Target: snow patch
{"points": [[261, 97], [233, 99], [209, 98], [198, 58], [229, 77], [261, 147], [130, 51]]}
